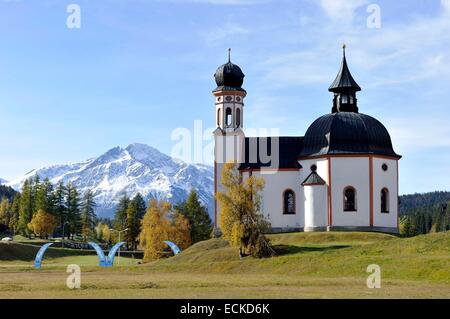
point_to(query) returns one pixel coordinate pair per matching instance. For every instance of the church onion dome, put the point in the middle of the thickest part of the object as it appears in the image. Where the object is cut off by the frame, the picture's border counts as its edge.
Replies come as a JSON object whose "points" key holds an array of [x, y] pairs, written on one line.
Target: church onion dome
{"points": [[229, 77], [347, 133], [344, 81]]}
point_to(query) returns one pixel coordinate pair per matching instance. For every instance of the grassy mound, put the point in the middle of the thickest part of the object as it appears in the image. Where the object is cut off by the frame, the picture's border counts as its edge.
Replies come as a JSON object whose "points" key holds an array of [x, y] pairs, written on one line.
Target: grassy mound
{"points": [[325, 254], [336, 238], [317, 265], [11, 251]]}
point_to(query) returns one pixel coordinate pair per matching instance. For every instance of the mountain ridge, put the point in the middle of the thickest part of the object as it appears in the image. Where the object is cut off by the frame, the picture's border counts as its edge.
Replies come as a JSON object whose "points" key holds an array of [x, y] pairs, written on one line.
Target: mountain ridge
{"points": [[137, 168]]}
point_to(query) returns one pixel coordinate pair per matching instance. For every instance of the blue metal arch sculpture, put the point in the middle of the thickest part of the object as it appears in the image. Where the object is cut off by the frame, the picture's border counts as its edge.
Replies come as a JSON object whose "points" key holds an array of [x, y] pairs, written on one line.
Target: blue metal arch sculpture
{"points": [[40, 255], [112, 253], [106, 261], [176, 250], [103, 262]]}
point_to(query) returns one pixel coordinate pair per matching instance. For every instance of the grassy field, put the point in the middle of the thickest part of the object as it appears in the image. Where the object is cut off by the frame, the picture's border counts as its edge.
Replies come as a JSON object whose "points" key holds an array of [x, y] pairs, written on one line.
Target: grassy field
{"points": [[307, 265]]}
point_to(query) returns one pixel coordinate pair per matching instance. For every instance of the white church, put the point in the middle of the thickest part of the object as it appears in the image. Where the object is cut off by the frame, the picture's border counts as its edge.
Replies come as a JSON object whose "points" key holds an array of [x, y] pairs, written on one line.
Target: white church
{"points": [[342, 175]]}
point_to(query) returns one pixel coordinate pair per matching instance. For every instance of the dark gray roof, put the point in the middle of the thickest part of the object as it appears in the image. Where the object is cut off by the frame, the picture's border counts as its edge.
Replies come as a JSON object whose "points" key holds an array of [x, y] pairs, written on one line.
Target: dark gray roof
{"points": [[228, 88], [229, 76], [313, 179], [288, 149], [344, 80], [347, 133]]}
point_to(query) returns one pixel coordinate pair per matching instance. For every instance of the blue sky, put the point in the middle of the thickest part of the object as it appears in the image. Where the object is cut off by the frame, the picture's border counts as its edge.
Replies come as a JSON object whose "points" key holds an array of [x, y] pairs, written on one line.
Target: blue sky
{"points": [[138, 69]]}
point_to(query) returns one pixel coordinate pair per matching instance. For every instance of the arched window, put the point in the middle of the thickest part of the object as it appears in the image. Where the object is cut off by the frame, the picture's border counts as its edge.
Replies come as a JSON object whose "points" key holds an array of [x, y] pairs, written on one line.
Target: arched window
{"points": [[349, 199], [218, 117], [238, 117], [385, 200], [288, 202], [228, 117]]}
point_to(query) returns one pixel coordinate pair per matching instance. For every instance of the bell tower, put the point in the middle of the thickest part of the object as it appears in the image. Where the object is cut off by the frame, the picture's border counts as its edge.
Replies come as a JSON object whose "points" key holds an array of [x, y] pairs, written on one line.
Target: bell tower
{"points": [[344, 88], [229, 136], [229, 97]]}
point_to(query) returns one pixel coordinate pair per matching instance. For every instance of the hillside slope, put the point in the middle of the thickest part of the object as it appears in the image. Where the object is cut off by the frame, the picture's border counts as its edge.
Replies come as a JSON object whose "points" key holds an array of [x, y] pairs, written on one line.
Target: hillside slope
{"points": [[425, 258], [11, 251], [413, 202]]}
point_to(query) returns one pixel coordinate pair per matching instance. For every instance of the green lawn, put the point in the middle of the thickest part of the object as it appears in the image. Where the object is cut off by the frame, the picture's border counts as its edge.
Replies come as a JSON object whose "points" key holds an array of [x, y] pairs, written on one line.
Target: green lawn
{"points": [[307, 265]]}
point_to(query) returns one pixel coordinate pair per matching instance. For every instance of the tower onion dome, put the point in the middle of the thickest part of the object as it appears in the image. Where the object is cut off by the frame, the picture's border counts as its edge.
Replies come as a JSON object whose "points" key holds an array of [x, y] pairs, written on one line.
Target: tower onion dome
{"points": [[347, 133], [229, 77]]}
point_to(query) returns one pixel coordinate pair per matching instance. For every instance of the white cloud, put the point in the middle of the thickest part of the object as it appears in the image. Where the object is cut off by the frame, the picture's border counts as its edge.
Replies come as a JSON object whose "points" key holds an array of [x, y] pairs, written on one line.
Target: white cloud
{"points": [[298, 68], [446, 4], [227, 30], [416, 134], [342, 10], [407, 52]]}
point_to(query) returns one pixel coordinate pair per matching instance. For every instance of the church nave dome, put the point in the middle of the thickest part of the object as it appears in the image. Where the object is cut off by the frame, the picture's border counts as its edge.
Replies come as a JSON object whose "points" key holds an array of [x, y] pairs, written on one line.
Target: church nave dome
{"points": [[347, 133]]}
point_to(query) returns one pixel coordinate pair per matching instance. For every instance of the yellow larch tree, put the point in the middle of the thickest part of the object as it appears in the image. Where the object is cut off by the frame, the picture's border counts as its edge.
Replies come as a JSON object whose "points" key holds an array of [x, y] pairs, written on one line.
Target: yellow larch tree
{"points": [[181, 231], [240, 219], [156, 228], [42, 224]]}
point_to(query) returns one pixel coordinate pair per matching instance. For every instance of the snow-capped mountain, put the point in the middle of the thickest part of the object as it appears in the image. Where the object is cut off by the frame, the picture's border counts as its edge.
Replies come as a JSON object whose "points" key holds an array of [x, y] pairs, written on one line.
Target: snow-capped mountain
{"points": [[136, 168], [3, 181]]}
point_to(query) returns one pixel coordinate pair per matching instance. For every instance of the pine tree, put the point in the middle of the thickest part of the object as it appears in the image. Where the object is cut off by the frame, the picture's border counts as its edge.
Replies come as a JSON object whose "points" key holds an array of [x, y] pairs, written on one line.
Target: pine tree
{"points": [[73, 211], [88, 215], [120, 216], [445, 217], [420, 223], [439, 223], [44, 197], [140, 205], [133, 224], [35, 185], [134, 214], [26, 208], [59, 196], [199, 220], [429, 222], [240, 220], [407, 227]]}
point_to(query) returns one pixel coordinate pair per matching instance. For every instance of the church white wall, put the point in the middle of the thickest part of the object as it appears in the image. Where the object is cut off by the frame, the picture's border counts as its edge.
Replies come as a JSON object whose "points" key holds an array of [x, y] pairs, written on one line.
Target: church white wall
{"points": [[382, 179], [316, 207], [227, 149], [272, 198], [350, 171], [312, 201], [315, 198]]}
